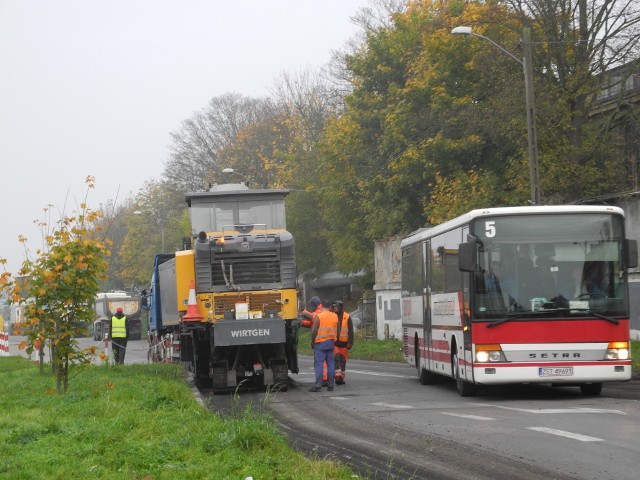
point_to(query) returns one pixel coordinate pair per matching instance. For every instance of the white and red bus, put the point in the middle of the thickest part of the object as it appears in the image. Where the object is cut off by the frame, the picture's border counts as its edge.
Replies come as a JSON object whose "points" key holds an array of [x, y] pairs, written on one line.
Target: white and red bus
{"points": [[559, 312]]}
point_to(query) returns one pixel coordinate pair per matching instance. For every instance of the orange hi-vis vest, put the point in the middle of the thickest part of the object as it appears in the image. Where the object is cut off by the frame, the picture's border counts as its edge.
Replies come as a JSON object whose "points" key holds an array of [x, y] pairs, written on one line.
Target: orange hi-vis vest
{"points": [[328, 328], [344, 328]]}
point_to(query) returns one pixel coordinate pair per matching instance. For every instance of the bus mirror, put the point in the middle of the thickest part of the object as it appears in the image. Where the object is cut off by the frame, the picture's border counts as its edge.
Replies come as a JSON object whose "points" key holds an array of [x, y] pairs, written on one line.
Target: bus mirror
{"points": [[632, 253], [467, 257]]}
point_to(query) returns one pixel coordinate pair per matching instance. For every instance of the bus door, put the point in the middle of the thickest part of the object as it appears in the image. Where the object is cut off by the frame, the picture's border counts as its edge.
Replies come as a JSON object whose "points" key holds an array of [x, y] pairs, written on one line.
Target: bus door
{"points": [[427, 333], [468, 284]]}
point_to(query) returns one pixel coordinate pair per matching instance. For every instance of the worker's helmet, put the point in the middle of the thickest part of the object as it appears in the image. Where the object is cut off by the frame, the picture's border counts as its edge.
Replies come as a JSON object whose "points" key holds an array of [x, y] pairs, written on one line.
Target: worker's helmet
{"points": [[119, 310], [338, 307]]}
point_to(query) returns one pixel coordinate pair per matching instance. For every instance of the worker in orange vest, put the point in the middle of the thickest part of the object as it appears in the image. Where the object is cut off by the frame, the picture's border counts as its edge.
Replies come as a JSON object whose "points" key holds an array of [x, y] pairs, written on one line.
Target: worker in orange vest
{"points": [[344, 342], [315, 305], [323, 337]]}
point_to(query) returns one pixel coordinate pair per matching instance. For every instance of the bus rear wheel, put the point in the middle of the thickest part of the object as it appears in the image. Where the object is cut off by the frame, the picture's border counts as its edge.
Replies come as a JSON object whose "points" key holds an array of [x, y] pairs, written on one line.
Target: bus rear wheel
{"points": [[428, 378]]}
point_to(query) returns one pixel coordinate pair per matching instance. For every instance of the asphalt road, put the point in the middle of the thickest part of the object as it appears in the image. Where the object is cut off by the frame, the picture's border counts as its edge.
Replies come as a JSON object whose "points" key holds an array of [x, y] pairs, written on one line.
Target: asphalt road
{"points": [[385, 425], [136, 349]]}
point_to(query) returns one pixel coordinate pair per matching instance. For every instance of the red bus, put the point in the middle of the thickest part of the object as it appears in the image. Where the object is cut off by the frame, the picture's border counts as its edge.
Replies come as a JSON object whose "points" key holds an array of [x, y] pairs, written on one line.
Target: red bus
{"points": [[512, 295]]}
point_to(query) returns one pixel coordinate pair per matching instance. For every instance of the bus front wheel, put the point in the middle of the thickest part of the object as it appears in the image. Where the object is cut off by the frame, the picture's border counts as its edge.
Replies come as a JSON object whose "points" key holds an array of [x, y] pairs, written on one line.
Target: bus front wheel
{"points": [[591, 389], [465, 389]]}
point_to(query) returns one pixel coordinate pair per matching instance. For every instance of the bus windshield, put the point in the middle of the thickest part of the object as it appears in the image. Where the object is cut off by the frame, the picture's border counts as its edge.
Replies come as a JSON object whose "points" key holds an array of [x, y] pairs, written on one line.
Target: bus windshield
{"points": [[550, 264]]}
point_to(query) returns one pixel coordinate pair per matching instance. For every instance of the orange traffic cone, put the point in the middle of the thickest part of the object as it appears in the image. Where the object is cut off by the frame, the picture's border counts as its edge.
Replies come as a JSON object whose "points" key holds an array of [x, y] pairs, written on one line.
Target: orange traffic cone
{"points": [[193, 314]]}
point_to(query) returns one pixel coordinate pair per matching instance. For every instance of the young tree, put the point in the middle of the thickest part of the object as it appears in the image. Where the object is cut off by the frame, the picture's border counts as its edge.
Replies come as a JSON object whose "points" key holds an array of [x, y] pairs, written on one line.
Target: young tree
{"points": [[61, 283]]}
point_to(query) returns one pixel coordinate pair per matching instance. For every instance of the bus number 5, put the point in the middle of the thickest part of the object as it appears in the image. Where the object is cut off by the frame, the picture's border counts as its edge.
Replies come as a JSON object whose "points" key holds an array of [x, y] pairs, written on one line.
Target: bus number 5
{"points": [[490, 229]]}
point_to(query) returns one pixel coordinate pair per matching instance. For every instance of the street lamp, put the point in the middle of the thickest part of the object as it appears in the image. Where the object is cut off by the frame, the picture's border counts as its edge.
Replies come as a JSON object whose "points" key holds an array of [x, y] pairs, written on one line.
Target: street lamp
{"points": [[527, 67], [232, 171]]}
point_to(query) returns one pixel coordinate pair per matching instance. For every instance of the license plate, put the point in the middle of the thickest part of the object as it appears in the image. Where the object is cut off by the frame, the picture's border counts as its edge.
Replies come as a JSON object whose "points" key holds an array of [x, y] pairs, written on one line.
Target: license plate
{"points": [[555, 371]]}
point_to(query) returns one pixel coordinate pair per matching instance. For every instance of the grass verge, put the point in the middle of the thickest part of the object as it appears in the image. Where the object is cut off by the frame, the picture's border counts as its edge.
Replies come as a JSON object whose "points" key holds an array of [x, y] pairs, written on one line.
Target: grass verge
{"points": [[363, 349], [135, 421]]}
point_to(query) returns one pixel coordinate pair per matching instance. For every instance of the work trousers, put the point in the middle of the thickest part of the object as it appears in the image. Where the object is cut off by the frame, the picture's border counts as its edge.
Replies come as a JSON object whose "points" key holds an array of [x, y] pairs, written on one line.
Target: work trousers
{"points": [[323, 352], [340, 356], [119, 348]]}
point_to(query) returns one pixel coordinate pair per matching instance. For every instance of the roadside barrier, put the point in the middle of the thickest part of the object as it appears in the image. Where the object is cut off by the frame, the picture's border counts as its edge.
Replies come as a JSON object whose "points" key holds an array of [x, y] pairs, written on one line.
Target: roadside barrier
{"points": [[106, 346], [4, 344]]}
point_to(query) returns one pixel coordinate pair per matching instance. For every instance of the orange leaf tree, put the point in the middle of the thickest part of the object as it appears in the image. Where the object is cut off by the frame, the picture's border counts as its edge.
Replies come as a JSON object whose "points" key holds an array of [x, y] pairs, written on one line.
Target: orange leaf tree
{"points": [[62, 281]]}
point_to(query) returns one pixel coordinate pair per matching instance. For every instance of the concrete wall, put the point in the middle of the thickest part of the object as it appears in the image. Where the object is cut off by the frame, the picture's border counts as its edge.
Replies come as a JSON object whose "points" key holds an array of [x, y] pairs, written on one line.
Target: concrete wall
{"points": [[387, 256], [389, 313]]}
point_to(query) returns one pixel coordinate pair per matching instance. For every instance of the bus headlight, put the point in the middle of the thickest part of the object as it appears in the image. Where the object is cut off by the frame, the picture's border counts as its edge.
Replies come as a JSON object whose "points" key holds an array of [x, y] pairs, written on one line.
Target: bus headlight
{"points": [[617, 351], [489, 353], [482, 357]]}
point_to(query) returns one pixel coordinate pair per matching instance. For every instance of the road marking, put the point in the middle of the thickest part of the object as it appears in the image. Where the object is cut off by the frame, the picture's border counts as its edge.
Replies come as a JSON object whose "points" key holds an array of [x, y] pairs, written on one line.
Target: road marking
{"points": [[377, 374], [463, 415], [562, 433], [554, 410], [391, 405], [362, 372]]}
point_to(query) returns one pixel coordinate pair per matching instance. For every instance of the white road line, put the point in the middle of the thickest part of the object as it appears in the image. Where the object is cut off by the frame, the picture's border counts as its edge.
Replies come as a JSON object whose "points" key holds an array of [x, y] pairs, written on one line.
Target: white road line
{"points": [[363, 372], [376, 374], [562, 433], [392, 405], [554, 410], [463, 415]]}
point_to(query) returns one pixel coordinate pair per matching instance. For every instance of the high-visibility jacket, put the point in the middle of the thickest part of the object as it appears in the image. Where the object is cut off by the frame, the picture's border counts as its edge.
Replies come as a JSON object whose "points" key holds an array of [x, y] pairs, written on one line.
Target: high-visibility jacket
{"points": [[328, 326], [343, 329], [307, 317], [118, 327]]}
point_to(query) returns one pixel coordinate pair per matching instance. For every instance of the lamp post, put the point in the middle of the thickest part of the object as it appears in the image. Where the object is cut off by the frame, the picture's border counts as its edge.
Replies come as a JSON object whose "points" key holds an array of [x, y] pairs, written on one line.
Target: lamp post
{"points": [[230, 171], [527, 67]]}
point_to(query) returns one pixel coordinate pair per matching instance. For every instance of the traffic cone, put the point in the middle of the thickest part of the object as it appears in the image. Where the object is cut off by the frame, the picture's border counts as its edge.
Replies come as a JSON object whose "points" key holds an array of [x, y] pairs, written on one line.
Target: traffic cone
{"points": [[193, 314]]}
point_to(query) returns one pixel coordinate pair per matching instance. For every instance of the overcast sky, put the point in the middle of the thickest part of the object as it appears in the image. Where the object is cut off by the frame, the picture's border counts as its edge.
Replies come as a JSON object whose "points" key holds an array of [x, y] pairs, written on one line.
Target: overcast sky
{"points": [[95, 87]]}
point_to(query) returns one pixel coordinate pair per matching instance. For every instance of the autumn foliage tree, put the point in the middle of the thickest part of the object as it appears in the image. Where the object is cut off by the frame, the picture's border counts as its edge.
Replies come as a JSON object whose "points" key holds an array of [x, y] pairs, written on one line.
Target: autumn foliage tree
{"points": [[59, 287]]}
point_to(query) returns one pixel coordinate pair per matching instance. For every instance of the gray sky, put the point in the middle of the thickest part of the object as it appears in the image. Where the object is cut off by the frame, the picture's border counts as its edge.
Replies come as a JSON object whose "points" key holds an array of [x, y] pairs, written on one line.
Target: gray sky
{"points": [[94, 87]]}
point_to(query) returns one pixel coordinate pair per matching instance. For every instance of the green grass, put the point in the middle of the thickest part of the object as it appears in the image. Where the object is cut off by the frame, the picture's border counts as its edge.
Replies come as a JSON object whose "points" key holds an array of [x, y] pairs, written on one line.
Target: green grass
{"points": [[135, 421], [635, 356], [363, 349]]}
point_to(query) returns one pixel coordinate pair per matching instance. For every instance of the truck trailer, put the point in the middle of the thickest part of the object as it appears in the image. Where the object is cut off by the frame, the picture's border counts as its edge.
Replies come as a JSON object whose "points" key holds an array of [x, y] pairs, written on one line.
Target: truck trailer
{"points": [[106, 304], [225, 306]]}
